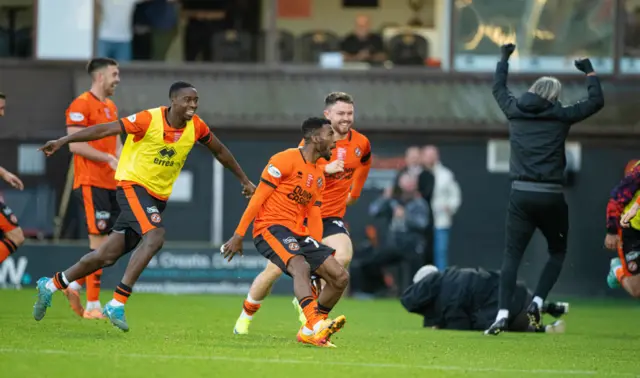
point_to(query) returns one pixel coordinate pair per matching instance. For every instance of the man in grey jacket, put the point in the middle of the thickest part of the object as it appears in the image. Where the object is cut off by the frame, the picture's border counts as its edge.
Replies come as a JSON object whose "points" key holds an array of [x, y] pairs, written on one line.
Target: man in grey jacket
{"points": [[408, 215]]}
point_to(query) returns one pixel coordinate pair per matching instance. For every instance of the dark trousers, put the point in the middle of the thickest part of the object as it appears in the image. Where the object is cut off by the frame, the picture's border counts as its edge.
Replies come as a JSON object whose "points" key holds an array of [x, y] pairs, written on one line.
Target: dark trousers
{"points": [[527, 211]]}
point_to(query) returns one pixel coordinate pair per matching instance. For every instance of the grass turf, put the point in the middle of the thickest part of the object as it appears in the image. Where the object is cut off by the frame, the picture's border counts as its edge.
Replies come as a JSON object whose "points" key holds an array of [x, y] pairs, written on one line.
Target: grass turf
{"points": [[191, 336]]}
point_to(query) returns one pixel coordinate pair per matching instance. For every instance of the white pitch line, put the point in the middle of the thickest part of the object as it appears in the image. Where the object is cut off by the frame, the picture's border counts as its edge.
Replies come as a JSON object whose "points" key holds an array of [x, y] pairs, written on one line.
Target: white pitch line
{"points": [[324, 363]]}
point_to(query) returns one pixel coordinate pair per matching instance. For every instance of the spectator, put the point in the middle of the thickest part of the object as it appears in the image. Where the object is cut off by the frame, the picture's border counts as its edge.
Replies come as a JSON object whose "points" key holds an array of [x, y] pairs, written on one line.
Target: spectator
{"points": [[466, 299], [408, 215], [204, 19], [115, 32], [162, 20], [445, 201], [426, 182], [363, 45]]}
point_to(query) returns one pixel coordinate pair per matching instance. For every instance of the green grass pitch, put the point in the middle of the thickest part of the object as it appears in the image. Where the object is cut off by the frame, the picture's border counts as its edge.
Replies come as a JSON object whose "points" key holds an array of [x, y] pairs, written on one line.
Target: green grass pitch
{"points": [[191, 336]]}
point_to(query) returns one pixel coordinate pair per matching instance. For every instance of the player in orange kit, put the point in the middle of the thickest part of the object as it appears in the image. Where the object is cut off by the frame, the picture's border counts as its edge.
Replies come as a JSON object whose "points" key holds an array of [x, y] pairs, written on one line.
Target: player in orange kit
{"points": [[290, 191], [94, 165], [345, 172]]}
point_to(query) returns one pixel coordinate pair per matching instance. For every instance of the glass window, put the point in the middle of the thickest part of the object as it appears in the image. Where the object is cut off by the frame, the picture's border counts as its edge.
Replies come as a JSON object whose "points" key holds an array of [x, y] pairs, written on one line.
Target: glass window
{"points": [[549, 34], [630, 60]]}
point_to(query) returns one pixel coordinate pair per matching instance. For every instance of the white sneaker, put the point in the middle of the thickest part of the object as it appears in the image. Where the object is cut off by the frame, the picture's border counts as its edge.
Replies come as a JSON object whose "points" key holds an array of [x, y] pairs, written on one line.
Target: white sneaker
{"points": [[559, 326]]}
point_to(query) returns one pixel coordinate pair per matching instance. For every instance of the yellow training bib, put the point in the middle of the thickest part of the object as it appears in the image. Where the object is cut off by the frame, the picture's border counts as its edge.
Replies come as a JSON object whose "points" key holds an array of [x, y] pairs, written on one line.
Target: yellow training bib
{"points": [[151, 162]]}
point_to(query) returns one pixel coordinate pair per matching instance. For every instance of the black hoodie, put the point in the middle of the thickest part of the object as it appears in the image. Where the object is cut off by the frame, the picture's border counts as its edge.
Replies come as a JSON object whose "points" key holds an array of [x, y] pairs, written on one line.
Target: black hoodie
{"points": [[460, 299], [538, 128]]}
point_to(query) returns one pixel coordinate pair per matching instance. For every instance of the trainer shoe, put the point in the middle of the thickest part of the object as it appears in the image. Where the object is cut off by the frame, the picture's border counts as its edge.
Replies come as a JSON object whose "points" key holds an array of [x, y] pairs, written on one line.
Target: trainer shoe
{"points": [[497, 327], [242, 326], [322, 337], [94, 314], [116, 316], [74, 301], [535, 318], [559, 326], [555, 309], [44, 299], [301, 318], [612, 280]]}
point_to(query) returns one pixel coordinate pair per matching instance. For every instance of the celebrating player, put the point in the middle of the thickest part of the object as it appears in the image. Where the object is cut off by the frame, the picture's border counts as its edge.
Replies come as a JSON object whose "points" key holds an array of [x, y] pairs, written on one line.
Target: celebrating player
{"points": [[11, 236], [95, 164], [624, 198], [345, 172], [290, 190], [158, 142]]}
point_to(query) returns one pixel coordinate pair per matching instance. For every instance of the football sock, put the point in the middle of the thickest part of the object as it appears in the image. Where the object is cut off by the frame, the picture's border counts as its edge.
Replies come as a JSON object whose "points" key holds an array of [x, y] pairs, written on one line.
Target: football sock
{"points": [[502, 314], [249, 307], [324, 311], [93, 286], [121, 295], [7, 247], [310, 310]]}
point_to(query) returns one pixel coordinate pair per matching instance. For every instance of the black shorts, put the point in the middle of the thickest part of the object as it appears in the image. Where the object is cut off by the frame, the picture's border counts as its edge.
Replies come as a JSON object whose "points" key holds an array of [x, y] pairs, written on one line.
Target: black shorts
{"points": [[631, 249], [100, 208], [333, 226], [8, 220], [140, 213], [279, 245]]}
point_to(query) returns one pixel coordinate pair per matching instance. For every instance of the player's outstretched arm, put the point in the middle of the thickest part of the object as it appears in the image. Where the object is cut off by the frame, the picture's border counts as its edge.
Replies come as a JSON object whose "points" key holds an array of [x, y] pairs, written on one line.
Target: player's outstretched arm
{"points": [[501, 93], [90, 133], [11, 179], [234, 245], [226, 158]]}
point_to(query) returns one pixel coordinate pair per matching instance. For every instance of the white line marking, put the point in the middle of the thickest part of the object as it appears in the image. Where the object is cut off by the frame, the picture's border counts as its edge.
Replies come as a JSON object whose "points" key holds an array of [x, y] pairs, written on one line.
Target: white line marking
{"points": [[318, 362]]}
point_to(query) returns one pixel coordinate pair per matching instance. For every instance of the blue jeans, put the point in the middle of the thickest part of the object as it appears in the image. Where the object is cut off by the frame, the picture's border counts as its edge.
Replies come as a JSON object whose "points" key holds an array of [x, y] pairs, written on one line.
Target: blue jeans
{"points": [[440, 247], [120, 51]]}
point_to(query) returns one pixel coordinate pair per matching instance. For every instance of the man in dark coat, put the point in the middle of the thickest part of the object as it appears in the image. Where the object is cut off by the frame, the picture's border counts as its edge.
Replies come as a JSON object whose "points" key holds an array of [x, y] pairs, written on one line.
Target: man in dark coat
{"points": [[538, 128], [467, 299]]}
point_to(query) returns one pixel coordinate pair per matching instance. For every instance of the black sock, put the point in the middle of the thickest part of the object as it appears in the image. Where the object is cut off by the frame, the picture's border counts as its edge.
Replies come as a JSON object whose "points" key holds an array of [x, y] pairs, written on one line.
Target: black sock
{"points": [[122, 293], [324, 310]]}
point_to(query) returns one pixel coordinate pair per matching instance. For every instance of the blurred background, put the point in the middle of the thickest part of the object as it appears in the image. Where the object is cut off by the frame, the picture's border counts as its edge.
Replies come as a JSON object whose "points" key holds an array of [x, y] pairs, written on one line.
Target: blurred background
{"points": [[420, 72]]}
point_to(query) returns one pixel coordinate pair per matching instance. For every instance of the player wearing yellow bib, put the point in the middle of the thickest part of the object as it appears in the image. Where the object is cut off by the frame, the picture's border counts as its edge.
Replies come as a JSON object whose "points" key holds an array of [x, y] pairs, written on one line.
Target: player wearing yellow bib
{"points": [[157, 145]]}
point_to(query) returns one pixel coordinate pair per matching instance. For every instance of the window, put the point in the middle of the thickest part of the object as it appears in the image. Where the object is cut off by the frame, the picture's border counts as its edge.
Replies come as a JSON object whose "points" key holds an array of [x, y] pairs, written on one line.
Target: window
{"points": [[549, 34]]}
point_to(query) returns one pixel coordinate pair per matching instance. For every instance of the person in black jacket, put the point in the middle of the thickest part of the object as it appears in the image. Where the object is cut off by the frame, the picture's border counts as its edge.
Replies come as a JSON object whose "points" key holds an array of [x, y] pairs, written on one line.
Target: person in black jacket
{"points": [[467, 299], [538, 128]]}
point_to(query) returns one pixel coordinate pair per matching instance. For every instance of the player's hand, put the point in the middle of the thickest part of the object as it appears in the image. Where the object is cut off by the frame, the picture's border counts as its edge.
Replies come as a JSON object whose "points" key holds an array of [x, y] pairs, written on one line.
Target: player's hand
{"points": [[506, 50], [626, 217], [51, 146], [334, 167], [584, 65], [398, 212], [113, 162], [12, 180], [611, 241], [248, 189], [232, 247]]}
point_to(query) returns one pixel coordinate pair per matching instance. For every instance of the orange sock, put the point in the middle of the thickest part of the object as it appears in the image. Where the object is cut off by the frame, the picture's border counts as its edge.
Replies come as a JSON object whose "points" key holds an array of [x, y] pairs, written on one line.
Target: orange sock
{"points": [[122, 293], [81, 281], [93, 286], [310, 310], [58, 280], [620, 273], [250, 308], [7, 247]]}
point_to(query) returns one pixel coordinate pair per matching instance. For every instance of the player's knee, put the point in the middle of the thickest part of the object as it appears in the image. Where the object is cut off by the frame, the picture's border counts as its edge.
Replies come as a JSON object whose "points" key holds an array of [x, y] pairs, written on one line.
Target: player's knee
{"points": [[271, 272], [16, 236], [155, 239], [342, 280], [298, 268]]}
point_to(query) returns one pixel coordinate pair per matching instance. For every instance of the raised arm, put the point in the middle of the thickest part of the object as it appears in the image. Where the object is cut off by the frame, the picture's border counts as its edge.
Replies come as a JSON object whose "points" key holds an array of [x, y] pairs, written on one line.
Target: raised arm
{"points": [[90, 133], [501, 93], [595, 100]]}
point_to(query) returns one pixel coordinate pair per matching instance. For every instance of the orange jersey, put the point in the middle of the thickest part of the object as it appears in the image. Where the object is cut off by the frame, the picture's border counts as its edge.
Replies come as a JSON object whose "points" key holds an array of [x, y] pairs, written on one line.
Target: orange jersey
{"points": [[355, 151], [289, 187], [85, 111], [138, 124]]}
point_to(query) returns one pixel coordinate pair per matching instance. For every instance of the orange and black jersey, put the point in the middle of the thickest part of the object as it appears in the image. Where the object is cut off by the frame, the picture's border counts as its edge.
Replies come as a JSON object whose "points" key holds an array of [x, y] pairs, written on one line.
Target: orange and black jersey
{"points": [[355, 151], [290, 189]]}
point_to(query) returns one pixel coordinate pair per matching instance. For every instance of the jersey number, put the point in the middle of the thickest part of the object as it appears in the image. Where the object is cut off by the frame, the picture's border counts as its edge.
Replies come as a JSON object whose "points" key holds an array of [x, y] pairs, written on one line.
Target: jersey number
{"points": [[310, 240]]}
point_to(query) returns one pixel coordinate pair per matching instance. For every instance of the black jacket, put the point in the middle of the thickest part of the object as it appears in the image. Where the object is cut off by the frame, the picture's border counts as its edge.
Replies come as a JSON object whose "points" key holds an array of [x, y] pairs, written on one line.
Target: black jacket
{"points": [[460, 299], [538, 128]]}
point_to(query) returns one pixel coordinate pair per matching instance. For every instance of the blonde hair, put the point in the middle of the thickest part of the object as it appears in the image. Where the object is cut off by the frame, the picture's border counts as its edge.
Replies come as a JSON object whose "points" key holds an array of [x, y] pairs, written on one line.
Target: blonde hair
{"points": [[547, 87]]}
